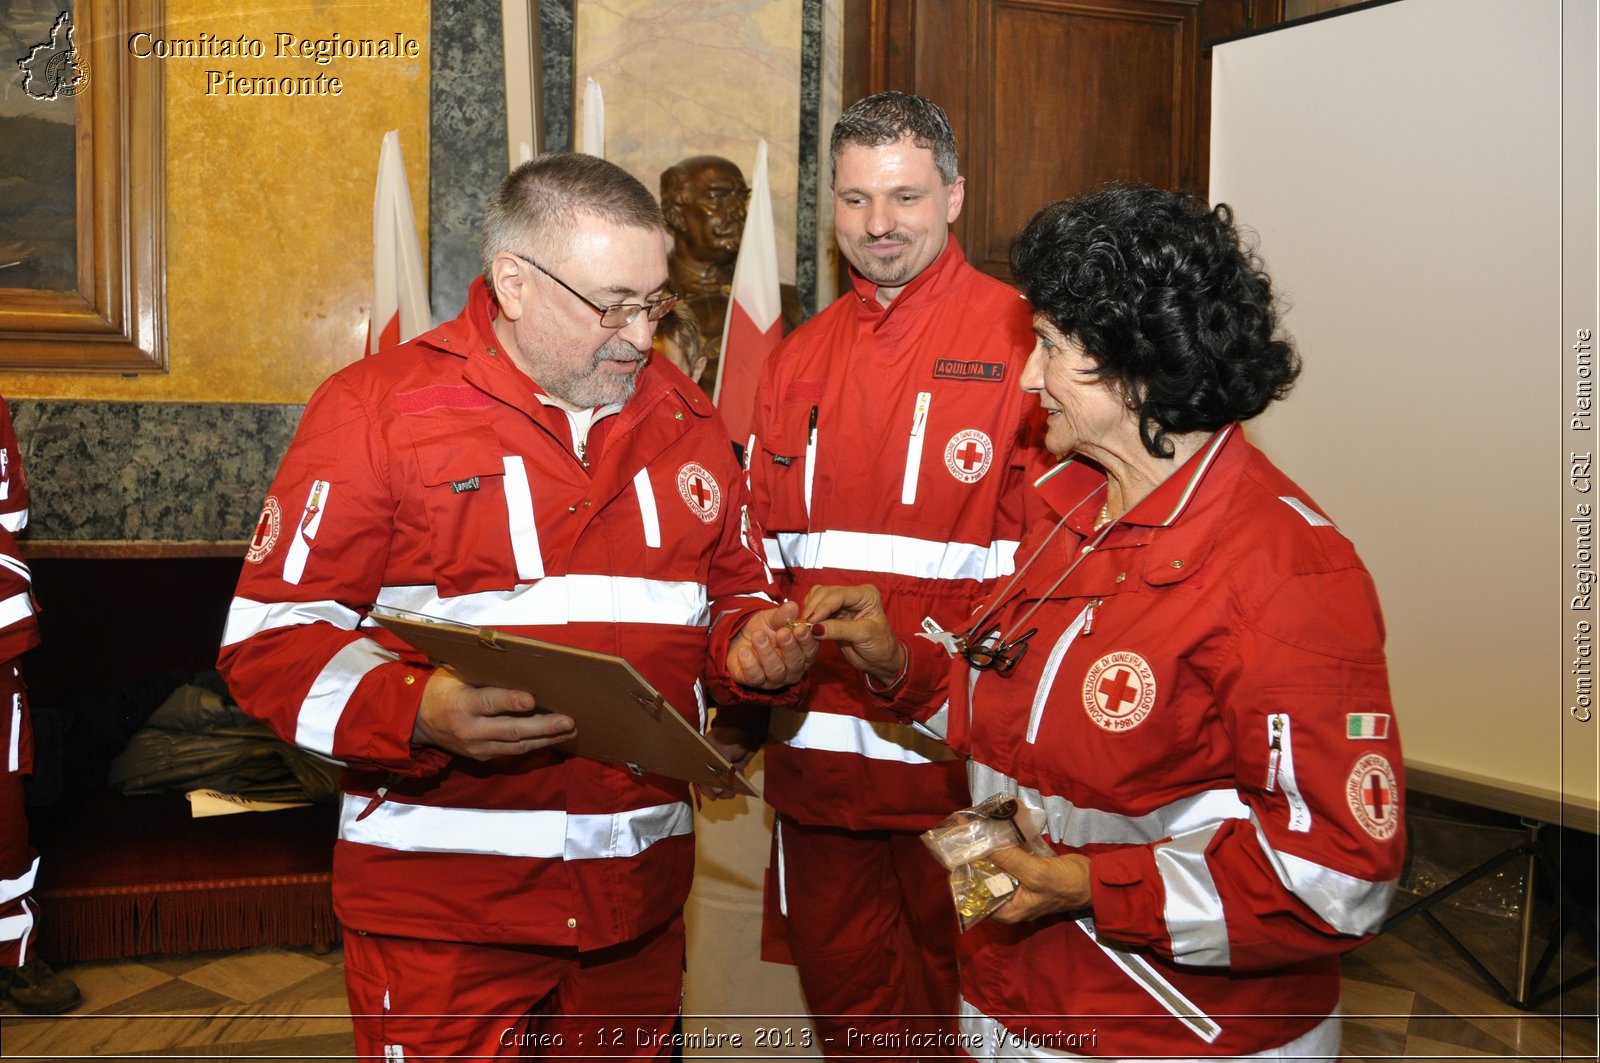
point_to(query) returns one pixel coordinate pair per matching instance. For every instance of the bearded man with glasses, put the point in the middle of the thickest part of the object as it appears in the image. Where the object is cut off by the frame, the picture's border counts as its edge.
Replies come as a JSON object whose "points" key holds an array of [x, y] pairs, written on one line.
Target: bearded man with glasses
{"points": [[527, 467]]}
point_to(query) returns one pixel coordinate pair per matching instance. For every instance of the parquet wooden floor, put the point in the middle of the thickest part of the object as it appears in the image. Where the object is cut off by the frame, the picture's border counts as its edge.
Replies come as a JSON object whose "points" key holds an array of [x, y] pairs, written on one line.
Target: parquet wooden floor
{"points": [[1406, 996]]}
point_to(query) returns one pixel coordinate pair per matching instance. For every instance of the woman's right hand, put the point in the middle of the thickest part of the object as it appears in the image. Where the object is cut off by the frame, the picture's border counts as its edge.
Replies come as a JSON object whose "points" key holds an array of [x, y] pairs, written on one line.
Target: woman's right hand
{"points": [[854, 618]]}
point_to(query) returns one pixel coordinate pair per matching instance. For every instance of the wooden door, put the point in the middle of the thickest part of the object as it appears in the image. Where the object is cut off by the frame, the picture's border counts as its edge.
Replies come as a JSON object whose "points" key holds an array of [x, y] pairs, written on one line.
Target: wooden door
{"points": [[1051, 97]]}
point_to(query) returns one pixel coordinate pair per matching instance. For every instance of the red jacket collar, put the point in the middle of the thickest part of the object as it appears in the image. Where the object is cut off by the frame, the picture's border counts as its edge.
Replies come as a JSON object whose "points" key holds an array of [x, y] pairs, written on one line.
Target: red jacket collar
{"points": [[1066, 484]]}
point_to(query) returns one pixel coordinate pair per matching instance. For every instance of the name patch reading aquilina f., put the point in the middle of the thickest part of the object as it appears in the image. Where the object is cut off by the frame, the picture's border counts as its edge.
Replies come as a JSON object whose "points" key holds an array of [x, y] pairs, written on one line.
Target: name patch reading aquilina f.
{"points": [[956, 369]]}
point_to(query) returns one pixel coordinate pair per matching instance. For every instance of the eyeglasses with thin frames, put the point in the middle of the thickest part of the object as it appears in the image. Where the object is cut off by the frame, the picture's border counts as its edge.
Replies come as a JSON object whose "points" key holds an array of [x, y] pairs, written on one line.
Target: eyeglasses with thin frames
{"points": [[985, 646], [617, 315]]}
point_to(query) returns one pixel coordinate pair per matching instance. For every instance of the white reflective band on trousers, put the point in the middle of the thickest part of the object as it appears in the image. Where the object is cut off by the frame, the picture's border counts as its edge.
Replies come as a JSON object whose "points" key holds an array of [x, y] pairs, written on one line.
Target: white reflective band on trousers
{"points": [[984, 1038], [547, 834], [899, 555], [17, 928], [572, 599], [873, 739]]}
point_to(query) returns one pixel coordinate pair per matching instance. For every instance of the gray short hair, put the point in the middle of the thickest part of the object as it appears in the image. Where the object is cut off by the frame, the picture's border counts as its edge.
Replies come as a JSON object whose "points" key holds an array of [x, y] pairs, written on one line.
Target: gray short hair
{"points": [[888, 118], [536, 203]]}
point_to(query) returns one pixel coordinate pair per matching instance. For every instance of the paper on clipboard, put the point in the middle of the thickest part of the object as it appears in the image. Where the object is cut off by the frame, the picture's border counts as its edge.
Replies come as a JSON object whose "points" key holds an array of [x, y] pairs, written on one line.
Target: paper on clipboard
{"points": [[621, 718]]}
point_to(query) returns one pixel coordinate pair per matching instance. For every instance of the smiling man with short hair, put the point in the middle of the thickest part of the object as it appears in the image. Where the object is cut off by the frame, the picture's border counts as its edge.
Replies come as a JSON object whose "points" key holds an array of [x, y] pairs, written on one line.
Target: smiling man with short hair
{"points": [[889, 450]]}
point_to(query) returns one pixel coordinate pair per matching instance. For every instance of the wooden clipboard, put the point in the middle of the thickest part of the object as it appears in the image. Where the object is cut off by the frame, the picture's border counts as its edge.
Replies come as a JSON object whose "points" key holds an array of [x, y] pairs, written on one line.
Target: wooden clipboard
{"points": [[621, 718]]}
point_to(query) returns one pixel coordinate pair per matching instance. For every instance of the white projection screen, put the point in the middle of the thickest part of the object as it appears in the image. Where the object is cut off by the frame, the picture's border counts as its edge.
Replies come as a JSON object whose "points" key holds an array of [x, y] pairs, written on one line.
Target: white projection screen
{"points": [[1420, 176]]}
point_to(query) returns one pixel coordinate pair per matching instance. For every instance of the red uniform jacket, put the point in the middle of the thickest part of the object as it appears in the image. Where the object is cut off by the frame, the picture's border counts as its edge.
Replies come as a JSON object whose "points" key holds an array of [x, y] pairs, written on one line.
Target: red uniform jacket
{"points": [[430, 478], [19, 627], [889, 448], [1203, 710]]}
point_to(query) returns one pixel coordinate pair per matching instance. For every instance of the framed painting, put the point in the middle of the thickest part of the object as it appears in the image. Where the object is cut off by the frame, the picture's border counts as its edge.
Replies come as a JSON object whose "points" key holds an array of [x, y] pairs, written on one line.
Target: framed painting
{"points": [[82, 202]]}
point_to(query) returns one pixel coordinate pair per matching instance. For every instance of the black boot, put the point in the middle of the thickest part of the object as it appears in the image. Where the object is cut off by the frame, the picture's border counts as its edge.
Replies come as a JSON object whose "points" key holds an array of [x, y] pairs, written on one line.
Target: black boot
{"points": [[37, 990]]}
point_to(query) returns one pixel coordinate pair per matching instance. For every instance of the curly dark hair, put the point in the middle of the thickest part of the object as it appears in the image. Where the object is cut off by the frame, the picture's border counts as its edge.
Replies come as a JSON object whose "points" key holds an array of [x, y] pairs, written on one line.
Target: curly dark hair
{"points": [[1159, 289]]}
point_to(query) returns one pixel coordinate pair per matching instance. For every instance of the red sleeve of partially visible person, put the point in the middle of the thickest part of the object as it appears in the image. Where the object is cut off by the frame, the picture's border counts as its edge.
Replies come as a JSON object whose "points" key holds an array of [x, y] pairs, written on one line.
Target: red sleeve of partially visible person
{"points": [[19, 625]]}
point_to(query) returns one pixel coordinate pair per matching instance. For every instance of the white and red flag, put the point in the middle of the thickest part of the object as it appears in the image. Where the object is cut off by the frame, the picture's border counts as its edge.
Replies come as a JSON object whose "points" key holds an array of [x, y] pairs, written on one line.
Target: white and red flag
{"points": [[594, 120], [399, 283], [755, 309]]}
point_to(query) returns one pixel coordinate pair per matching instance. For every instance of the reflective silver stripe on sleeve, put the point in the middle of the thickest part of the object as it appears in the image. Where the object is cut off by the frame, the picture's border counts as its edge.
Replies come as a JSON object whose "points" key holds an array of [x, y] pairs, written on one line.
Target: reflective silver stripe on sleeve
{"points": [[647, 508], [571, 599], [898, 554], [544, 834], [14, 522], [330, 692], [873, 739], [12, 888], [247, 618], [937, 726], [1350, 905], [519, 515], [1047, 677], [17, 565], [15, 608], [1193, 913], [1069, 824]]}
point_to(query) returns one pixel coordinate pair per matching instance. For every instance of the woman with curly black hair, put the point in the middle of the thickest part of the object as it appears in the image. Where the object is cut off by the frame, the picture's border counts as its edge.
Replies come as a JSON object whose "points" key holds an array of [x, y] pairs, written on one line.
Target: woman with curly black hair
{"points": [[1204, 716]]}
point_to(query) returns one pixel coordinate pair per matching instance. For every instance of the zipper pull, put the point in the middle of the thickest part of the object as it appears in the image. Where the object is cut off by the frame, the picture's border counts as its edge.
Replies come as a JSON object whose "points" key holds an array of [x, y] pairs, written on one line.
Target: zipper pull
{"points": [[1088, 616], [377, 798], [1275, 754]]}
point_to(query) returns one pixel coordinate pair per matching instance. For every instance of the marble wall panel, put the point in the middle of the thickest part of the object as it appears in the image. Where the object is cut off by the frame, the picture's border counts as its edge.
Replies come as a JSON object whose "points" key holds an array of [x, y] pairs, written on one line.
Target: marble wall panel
{"points": [[149, 471], [467, 137]]}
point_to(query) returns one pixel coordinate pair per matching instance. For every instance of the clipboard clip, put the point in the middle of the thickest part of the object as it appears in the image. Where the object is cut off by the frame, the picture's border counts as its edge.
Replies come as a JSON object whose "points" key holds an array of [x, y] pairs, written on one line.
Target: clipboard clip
{"points": [[489, 639], [655, 704]]}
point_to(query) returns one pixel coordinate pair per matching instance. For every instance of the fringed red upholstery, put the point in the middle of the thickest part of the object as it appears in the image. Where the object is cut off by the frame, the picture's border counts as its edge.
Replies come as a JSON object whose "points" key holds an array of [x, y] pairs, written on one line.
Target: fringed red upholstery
{"points": [[113, 922], [134, 876]]}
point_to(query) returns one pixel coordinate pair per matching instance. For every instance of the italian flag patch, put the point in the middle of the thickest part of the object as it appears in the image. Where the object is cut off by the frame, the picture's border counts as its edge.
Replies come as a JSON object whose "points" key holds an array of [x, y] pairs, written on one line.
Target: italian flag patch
{"points": [[1366, 725]]}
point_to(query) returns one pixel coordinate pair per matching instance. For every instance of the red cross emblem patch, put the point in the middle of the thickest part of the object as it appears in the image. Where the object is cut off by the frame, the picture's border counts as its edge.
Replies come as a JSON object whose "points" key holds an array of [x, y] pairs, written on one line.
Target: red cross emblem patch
{"points": [[1119, 691], [1374, 796], [968, 455], [267, 530], [699, 491]]}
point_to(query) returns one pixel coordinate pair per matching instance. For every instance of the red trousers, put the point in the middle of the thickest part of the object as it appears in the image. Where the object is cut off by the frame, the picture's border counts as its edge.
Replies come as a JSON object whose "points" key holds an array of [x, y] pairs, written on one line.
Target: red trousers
{"points": [[18, 861], [446, 998], [872, 928]]}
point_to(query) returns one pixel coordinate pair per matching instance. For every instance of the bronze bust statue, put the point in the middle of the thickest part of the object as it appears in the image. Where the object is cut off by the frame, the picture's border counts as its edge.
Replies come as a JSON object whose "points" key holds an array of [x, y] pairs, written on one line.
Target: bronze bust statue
{"points": [[704, 199]]}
